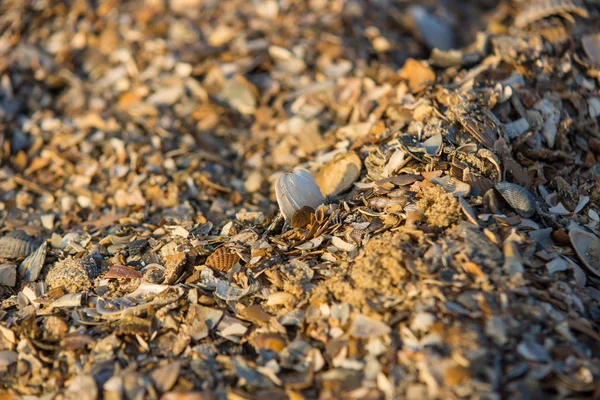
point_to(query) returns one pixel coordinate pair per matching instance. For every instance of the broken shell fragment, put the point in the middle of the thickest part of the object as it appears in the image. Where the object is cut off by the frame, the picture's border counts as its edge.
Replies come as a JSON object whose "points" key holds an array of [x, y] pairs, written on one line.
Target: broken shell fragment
{"points": [[587, 247], [339, 174], [433, 145], [296, 190], [519, 198], [302, 217]]}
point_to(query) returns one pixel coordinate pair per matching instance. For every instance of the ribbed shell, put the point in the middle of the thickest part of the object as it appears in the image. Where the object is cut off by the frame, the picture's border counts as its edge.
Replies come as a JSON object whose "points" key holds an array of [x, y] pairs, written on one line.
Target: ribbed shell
{"points": [[296, 190], [519, 198], [32, 266], [17, 244], [222, 259]]}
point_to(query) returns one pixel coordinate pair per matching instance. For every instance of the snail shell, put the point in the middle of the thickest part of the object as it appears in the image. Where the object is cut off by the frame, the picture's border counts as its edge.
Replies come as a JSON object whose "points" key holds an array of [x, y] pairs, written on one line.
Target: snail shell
{"points": [[296, 190], [519, 198]]}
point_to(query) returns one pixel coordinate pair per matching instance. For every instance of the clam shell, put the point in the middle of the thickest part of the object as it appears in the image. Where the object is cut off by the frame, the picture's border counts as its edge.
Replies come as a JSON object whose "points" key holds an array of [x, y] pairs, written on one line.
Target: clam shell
{"points": [[591, 46], [222, 259], [296, 190], [519, 198], [339, 174], [17, 244], [32, 266], [587, 247]]}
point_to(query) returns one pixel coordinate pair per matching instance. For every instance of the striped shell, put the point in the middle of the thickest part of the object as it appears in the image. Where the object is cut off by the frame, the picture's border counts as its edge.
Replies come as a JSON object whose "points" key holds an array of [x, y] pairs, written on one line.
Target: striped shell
{"points": [[17, 244], [519, 198], [32, 266], [222, 259], [296, 190]]}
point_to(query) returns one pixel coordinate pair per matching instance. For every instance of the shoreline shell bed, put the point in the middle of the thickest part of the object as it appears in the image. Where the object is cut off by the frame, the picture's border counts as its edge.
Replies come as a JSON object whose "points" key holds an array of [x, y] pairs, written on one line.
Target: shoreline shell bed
{"points": [[140, 146]]}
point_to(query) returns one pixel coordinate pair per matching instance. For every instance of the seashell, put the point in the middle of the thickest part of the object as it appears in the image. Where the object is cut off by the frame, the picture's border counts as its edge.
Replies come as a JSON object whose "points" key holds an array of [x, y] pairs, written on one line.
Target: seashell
{"points": [[222, 259], [32, 266], [519, 198], [8, 274], [591, 46], [434, 32], [228, 292], [587, 247], [17, 244], [397, 160], [342, 244], [452, 185], [296, 190], [121, 271], [468, 210], [433, 145], [339, 174], [536, 10], [302, 217]]}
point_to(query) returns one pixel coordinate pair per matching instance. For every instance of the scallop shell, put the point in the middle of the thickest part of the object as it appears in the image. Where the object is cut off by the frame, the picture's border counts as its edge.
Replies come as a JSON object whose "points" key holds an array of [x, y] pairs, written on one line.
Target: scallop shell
{"points": [[296, 190], [519, 198], [32, 266], [17, 244], [222, 259], [587, 247], [339, 174]]}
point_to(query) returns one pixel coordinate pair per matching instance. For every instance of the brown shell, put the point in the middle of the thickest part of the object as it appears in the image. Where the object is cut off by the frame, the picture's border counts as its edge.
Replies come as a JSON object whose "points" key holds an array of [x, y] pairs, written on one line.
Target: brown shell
{"points": [[302, 217], [17, 244], [222, 259], [536, 10], [121, 271]]}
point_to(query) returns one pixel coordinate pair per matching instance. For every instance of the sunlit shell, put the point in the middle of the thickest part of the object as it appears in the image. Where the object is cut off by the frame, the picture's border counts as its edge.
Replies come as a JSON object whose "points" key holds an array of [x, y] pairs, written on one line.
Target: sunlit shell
{"points": [[17, 244], [536, 10], [587, 247], [339, 174], [32, 266], [519, 198], [433, 145], [121, 271], [296, 190], [302, 217], [222, 259]]}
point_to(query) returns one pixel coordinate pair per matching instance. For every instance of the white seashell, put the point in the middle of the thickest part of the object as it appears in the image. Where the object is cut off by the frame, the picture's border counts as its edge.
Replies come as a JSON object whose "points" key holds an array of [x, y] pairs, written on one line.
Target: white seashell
{"points": [[559, 209], [395, 161], [296, 190], [342, 245], [583, 200]]}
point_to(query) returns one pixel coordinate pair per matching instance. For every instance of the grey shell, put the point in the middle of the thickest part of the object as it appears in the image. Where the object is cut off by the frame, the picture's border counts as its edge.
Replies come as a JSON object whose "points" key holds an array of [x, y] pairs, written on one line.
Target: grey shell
{"points": [[519, 198], [17, 244], [296, 190]]}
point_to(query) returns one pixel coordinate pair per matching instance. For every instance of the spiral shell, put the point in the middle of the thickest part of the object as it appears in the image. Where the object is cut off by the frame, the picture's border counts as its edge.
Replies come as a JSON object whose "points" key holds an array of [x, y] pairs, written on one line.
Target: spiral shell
{"points": [[519, 198], [17, 244], [296, 190], [222, 259]]}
